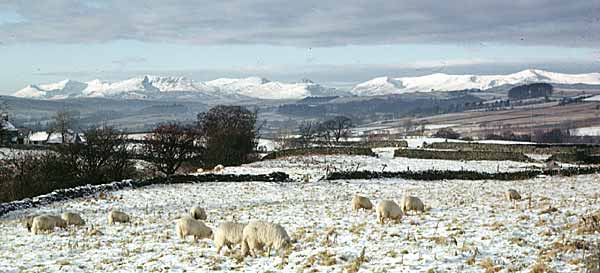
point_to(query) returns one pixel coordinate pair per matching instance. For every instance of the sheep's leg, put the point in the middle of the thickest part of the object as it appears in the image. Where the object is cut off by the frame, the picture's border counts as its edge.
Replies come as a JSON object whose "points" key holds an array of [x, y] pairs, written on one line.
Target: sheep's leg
{"points": [[219, 250], [269, 251]]}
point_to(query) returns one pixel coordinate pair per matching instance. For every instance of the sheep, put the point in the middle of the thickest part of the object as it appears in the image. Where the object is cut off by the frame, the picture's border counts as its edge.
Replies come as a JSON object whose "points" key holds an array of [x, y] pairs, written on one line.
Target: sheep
{"points": [[218, 168], [388, 209], [259, 234], [46, 223], [512, 195], [186, 226], [361, 202], [28, 221], [198, 213], [73, 219], [552, 165], [115, 216], [413, 203], [228, 234]]}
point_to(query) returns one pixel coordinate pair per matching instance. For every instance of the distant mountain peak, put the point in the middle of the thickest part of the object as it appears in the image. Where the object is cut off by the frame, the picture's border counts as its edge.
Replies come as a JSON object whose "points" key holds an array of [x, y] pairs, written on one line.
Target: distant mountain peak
{"points": [[446, 82], [150, 86]]}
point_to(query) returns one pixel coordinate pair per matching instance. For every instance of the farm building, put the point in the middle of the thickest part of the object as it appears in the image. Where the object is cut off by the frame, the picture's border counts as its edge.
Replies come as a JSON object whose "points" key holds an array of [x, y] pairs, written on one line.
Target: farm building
{"points": [[8, 132]]}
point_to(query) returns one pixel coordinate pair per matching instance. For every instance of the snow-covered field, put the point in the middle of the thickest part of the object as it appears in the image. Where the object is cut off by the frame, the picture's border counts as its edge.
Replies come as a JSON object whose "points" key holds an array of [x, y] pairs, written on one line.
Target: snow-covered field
{"points": [[473, 213], [488, 230], [317, 166]]}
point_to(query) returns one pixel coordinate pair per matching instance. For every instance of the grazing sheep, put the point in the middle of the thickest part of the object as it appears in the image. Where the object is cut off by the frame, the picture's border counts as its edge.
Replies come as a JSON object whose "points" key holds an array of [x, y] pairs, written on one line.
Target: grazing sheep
{"points": [[198, 213], [228, 234], [115, 216], [199, 170], [218, 168], [361, 202], [187, 226], [388, 209], [258, 234], [28, 221], [47, 223], [73, 219], [413, 203], [512, 194], [552, 165]]}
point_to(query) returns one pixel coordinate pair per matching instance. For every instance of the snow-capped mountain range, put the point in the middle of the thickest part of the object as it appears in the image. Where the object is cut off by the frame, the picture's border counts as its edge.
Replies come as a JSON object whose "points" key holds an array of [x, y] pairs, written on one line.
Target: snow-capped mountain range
{"points": [[147, 87], [445, 82], [152, 87]]}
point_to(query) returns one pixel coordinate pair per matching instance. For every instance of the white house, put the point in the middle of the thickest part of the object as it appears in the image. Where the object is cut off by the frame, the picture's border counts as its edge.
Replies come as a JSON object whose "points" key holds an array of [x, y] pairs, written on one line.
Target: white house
{"points": [[38, 138]]}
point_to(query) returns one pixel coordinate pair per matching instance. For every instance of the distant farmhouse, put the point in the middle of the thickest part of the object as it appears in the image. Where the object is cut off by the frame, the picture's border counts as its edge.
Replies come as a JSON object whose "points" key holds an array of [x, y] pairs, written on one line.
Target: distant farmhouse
{"points": [[8, 132]]}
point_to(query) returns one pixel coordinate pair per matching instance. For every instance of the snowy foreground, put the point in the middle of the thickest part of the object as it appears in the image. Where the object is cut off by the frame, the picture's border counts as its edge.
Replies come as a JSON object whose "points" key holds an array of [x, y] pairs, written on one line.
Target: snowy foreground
{"points": [[489, 231]]}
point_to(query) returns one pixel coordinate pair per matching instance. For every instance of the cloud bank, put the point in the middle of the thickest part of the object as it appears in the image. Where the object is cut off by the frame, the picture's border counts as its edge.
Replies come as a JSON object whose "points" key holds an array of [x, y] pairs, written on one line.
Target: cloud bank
{"points": [[307, 23]]}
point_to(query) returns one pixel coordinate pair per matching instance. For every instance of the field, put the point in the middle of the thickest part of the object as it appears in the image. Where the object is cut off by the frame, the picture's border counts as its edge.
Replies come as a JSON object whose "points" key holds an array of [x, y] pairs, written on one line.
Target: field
{"points": [[520, 119], [469, 226]]}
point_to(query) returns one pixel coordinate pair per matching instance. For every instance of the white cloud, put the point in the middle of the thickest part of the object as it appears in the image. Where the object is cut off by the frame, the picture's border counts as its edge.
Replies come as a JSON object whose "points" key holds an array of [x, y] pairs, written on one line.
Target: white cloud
{"points": [[307, 23]]}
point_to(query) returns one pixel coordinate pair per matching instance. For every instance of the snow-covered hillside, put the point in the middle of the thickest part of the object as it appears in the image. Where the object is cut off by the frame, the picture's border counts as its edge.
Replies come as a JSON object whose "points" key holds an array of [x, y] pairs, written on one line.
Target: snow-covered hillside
{"points": [[154, 86], [445, 82]]}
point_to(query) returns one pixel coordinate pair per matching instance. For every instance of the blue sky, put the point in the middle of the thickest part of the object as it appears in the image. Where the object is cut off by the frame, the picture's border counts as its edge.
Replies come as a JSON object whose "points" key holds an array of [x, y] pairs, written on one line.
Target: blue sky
{"points": [[340, 45]]}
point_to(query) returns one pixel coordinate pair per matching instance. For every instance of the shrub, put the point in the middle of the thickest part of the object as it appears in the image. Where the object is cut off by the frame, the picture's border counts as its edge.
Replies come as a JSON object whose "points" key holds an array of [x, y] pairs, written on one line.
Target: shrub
{"points": [[447, 133]]}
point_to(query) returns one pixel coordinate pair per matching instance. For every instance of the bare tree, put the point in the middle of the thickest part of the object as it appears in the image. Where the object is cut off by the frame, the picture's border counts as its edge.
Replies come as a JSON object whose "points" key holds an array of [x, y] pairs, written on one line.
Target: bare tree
{"points": [[170, 145], [335, 129], [3, 124], [104, 156], [341, 128], [307, 130], [283, 139], [230, 134], [408, 126], [63, 121]]}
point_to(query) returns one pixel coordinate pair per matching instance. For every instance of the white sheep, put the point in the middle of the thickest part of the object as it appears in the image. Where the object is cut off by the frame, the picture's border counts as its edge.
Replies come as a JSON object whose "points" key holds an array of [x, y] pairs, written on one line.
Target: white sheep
{"points": [[259, 234], [218, 168], [186, 226], [512, 195], [27, 221], [228, 234], [115, 216], [47, 223], [73, 219], [361, 202], [413, 203], [388, 209], [198, 213]]}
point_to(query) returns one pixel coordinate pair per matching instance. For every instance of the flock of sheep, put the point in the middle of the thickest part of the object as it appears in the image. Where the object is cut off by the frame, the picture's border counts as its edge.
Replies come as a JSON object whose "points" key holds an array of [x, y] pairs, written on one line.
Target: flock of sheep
{"points": [[253, 237], [388, 209]]}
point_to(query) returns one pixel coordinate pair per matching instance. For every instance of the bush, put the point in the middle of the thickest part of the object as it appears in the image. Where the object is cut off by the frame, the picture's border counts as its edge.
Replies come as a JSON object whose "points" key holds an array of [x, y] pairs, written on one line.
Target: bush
{"points": [[447, 133], [552, 136]]}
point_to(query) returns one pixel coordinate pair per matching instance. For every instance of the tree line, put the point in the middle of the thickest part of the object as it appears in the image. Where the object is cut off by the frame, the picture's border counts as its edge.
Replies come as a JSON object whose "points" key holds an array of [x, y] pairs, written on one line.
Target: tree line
{"points": [[223, 135]]}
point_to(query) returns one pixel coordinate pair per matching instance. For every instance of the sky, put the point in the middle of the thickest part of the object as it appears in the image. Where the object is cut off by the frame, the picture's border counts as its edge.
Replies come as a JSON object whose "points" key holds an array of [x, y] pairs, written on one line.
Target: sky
{"points": [[337, 43]]}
